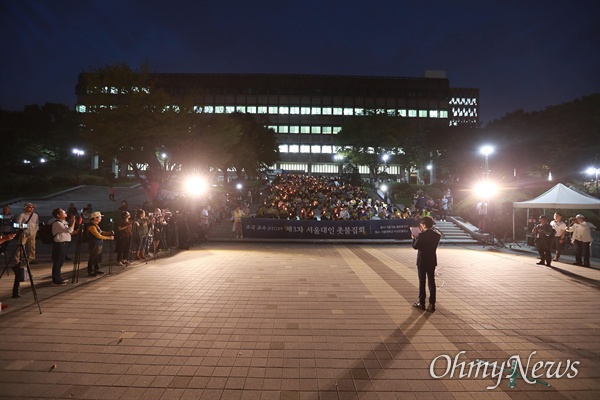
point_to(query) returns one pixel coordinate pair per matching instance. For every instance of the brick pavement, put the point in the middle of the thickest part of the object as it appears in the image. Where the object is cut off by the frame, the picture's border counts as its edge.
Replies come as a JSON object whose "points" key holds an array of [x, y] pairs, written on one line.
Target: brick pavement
{"points": [[295, 321]]}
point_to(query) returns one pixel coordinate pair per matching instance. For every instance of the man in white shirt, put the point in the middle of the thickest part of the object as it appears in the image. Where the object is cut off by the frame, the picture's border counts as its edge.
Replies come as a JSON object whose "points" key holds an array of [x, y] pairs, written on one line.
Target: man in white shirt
{"points": [[582, 238], [560, 228], [61, 235]]}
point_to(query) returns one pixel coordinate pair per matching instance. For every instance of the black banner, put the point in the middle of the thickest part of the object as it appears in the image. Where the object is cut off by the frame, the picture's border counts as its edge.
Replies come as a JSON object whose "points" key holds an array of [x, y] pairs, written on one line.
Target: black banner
{"points": [[308, 229]]}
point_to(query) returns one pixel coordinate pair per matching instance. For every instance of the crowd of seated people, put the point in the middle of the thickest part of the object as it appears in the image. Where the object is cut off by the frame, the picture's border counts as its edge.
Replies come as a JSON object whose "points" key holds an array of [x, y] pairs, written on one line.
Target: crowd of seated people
{"points": [[303, 197]]}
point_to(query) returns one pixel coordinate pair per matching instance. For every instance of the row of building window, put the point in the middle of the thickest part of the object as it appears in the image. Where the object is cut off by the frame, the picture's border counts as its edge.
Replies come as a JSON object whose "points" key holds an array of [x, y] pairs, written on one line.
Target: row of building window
{"points": [[332, 168], [314, 130], [290, 110], [463, 100]]}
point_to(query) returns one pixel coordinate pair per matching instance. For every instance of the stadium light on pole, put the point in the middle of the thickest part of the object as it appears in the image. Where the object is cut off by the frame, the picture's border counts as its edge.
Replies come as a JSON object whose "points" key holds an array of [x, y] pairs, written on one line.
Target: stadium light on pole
{"points": [[486, 151], [78, 153]]}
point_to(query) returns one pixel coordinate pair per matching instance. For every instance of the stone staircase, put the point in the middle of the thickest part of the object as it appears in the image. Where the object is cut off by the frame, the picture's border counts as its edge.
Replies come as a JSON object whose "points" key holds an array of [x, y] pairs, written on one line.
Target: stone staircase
{"points": [[453, 234]]}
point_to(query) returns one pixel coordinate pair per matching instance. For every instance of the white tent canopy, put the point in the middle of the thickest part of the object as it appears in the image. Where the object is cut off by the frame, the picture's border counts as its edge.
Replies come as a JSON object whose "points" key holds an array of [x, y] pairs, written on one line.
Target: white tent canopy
{"points": [[561, 196]]}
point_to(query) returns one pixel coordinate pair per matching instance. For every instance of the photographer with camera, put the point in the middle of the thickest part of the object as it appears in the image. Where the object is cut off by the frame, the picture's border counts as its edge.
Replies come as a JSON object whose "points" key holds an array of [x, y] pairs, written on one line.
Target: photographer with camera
{"points": [[61, 238], [29, 222], [96, 237], [6, 226]]}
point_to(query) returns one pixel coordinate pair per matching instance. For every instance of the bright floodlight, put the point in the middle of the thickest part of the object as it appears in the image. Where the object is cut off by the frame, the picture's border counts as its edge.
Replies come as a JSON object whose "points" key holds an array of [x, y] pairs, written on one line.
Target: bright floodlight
{"points": [[383, 188], [486, 189], [486, 150], [79, 152], [338, 157], [196, 186], [385, 157], [591, 170], [239, 186], [429, 167]]}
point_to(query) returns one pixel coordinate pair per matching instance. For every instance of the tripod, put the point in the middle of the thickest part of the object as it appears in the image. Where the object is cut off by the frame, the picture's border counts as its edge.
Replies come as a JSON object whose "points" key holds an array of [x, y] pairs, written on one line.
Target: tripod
{"points": [[492, 240], [77, 258], [23, 258]]}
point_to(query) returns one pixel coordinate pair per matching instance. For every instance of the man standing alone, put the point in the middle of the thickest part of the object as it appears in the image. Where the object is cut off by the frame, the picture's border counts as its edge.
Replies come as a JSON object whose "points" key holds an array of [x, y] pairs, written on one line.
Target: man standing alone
{"points": [[426, 243]]}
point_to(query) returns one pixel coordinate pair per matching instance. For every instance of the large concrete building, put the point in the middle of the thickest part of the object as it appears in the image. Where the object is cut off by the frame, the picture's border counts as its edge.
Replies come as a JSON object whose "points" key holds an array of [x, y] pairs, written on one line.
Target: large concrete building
{"points": [[307, 111]]}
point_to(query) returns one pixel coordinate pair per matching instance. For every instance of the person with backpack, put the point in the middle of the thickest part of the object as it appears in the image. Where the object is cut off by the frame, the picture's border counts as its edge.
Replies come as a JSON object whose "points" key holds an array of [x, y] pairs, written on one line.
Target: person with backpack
{"points": [[61, 234], [95, 239]]}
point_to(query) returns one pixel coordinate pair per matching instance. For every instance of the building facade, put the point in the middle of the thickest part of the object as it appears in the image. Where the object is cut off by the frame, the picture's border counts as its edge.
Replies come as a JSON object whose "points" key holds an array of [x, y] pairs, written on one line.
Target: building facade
{"points": [[307, 111]]}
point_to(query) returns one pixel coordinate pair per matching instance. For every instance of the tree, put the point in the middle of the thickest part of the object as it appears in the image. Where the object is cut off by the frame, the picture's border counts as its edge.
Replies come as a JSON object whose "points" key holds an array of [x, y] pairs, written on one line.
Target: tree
{"points": [[365, 139], [256, 148], [131, 118]]}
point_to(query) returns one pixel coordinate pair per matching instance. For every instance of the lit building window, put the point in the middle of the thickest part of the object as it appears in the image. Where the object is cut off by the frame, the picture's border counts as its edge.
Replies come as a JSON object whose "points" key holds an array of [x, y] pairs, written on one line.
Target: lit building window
{"points": [[114, 90], [283, 110], [422, 113], [284, 129], [391, 113], [294, 129], [80, 108], [251, 110], [305, 110], [294, 110], [348, 111], [316, 111], [294, 148], [240, 109], [273, 110], [261, 110], [229, 109], [326, 130], [402, 113], [305, 129], [304, 148], [209, 109], [412, 113], [359, 111], [433, 114], [315, 148], [283, 148], [327, 149], [326, 110], [336, 129], [315, 129], [337, 111], [274, 127], [219, 109], [443, 114]]}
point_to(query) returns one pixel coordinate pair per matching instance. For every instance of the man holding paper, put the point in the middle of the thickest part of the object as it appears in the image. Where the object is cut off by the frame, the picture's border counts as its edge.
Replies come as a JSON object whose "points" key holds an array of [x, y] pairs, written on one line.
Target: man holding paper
{"points": [[426, 242]]}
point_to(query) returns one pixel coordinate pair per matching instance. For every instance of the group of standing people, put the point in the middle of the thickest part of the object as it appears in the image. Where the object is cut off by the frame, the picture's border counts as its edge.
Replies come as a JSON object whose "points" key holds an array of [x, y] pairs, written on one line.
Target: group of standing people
{"points": [[553, 235]]}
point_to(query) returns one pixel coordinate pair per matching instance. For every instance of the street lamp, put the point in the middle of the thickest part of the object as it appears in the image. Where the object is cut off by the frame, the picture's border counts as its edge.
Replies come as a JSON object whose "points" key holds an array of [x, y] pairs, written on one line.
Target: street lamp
{"points": [[78, 153], [385, 157], [384, 189], [339, 158], [486, 151], [430, 169], [594, 171]]}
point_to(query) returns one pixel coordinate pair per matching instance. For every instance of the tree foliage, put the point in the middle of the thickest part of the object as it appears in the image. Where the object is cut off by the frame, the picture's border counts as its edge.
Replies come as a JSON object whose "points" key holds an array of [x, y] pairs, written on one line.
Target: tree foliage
{"points": [[38, 132], [562, 139], [131, 118]]}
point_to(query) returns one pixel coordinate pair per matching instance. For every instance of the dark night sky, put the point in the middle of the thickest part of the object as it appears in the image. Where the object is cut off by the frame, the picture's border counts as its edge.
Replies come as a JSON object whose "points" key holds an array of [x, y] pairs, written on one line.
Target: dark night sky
{"points": [[520, 54]]}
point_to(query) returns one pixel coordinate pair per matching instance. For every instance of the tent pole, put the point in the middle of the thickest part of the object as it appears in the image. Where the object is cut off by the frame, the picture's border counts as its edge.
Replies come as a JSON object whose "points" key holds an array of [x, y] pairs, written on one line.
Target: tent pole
{"points": [[514, 237]]}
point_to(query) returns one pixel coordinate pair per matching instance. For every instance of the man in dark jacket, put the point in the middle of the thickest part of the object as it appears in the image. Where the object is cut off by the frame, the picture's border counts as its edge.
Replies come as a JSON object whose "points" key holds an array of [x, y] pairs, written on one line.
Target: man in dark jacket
{"points": [[426, 244]]}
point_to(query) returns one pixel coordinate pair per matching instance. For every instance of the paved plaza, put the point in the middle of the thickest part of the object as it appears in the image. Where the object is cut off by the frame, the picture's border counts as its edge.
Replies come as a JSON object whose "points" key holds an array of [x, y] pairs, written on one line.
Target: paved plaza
{"points": [[305, 321]]}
